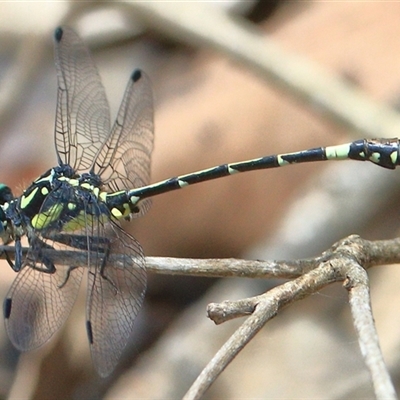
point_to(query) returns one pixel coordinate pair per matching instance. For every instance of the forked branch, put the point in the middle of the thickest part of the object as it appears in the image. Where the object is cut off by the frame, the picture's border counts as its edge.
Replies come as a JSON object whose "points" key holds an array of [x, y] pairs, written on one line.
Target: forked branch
{"points": [[346, 261]]}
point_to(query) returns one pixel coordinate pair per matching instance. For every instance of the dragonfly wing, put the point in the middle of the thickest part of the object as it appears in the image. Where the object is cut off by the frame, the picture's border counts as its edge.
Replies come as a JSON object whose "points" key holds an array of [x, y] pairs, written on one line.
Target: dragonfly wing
{"points": [[124, 160], [115, 262], [43, 293], [116, 288], [38, 303], [83, 116]]}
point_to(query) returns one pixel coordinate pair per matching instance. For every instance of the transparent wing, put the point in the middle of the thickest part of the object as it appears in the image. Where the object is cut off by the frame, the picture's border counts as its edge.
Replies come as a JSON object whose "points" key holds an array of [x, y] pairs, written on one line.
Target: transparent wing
{"points": [[116, 288], [44, 292], [38, 303], [83, 116], [73, 219], [124, 160]]}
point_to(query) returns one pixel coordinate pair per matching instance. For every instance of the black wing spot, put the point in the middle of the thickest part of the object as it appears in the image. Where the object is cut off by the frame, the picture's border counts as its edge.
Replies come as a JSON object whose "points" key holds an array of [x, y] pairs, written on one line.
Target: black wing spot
{"points": [[58, 33], [136, 75], [89, 331], [7, 308]]}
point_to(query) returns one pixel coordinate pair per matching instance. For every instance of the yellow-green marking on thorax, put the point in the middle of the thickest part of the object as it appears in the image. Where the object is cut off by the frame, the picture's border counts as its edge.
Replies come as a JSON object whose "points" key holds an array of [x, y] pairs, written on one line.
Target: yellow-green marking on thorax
{"points": [[44, 218], [26, 200]]}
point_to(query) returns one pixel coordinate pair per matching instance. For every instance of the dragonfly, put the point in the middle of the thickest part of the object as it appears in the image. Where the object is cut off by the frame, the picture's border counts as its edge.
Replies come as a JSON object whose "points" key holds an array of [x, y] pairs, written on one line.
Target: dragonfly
{"points": [[102, 177], [64, 210]]}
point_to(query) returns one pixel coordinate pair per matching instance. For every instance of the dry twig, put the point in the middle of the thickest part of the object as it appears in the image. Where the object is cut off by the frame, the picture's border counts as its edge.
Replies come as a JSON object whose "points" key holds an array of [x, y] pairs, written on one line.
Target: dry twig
{"points": [[346, 261]]}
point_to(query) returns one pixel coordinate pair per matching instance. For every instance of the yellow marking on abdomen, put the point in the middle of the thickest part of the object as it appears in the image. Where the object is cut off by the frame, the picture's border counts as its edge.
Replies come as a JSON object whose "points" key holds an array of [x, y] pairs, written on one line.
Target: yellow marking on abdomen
{"points": [[393, 157], [232, 170], [116, 213], [375, 157], [340, 152]]}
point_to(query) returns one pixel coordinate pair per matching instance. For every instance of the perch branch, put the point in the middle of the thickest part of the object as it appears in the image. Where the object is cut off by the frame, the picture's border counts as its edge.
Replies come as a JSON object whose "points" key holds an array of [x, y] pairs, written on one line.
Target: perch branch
{"points": [[346, 261]]}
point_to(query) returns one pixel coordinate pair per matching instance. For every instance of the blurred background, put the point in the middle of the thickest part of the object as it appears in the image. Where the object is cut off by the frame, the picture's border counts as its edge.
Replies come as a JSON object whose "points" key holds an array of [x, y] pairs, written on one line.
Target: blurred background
{"points": [[212, 106]]}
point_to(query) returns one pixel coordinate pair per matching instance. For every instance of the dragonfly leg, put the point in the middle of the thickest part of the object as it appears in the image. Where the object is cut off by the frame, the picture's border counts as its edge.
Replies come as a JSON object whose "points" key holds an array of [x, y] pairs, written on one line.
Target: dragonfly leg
{"points": [[18, 255], [36, 256], [48, 268], [102, 271], [67, 275]]}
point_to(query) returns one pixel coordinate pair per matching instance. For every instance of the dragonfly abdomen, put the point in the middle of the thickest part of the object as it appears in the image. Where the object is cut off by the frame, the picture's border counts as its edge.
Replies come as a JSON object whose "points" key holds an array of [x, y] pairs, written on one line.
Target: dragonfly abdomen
{"points": [[119, 204]]}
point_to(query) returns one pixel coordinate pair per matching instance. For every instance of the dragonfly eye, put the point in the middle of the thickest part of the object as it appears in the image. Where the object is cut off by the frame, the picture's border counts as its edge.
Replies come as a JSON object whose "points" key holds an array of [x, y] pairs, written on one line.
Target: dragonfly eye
{"points": [[5, 194]]}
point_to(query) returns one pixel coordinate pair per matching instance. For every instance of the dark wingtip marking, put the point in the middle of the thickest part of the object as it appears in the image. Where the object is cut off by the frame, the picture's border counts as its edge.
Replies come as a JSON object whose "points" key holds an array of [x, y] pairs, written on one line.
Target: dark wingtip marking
{"points": [[136, 75], [89, 331], [7, 308], [58, 33]]}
